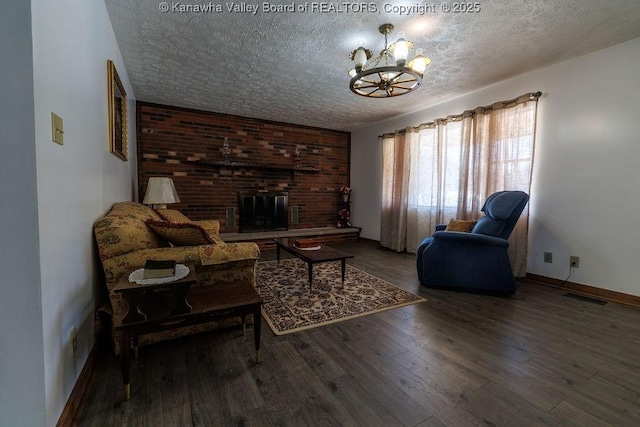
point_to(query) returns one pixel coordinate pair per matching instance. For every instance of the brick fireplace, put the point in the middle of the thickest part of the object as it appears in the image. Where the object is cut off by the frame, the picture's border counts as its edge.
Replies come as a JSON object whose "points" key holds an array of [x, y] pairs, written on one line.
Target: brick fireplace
{"points": [[186, 145]]}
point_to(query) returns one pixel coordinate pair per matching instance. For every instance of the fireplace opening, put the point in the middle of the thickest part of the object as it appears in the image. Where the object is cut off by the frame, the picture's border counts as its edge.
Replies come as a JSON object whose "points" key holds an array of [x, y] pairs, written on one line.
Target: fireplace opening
{"points": [[263, 211]]}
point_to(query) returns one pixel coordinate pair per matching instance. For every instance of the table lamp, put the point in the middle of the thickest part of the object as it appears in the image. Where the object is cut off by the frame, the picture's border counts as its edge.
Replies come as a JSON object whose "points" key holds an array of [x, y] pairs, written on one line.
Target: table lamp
{"points": [[160, 191]]}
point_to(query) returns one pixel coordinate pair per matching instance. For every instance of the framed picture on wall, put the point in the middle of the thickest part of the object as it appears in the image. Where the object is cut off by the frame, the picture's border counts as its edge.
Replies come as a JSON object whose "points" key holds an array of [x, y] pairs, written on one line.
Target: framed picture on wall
{"points": [[117, 113]]}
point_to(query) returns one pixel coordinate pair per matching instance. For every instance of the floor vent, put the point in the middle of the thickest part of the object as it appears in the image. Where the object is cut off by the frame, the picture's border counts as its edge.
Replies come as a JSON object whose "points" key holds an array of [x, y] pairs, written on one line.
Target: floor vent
{"points": [[585, 299]]}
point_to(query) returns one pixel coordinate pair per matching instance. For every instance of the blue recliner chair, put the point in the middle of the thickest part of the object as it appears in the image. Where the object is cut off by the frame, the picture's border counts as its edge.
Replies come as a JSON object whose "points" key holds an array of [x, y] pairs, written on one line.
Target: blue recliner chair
{"points": [[477, 260]]}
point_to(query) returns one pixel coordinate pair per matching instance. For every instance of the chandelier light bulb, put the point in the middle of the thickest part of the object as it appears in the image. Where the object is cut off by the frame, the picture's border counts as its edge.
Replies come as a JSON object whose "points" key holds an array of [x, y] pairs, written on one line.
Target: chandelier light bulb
{"points": [[360, 58], [400, 49], [420, 62], [389, 75]]}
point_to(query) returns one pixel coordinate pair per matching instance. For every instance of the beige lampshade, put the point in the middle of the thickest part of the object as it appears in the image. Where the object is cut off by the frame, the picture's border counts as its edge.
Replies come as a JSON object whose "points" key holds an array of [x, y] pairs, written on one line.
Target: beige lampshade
{"points": [[160, 191]]}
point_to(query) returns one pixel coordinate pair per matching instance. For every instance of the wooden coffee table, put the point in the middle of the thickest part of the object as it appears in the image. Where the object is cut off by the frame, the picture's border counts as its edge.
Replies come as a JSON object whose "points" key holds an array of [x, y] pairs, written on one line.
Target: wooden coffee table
{"points": [[324, 254], [159, 307]]}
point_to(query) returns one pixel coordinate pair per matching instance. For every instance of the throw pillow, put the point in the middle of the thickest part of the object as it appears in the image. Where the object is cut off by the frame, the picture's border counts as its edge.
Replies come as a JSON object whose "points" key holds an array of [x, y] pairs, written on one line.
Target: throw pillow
{"points": [[172, 215], [180, 234], [460, 225]]}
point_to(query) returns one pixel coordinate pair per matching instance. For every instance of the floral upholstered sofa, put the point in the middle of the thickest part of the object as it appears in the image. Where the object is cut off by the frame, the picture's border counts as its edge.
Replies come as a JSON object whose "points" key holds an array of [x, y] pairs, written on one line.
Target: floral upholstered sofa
{"points": [[131, 233]]}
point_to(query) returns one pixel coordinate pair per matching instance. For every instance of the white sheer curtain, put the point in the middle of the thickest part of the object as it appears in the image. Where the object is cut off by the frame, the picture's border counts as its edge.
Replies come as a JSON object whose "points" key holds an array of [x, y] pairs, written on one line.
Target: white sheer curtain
{"points": [[446, 169], [395, 188]]}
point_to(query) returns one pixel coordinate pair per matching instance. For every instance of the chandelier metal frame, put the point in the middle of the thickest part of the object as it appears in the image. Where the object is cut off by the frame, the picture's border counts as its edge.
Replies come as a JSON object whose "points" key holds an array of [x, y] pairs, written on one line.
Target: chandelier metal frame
{"points": [[386, 77]]}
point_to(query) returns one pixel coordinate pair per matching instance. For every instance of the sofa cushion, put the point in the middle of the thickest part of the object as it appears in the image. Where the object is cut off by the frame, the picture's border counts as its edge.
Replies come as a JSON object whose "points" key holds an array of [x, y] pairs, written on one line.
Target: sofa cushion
{"points": [[172, 215], [180, 233], [460, 225], [212, 226], [123, 230]]}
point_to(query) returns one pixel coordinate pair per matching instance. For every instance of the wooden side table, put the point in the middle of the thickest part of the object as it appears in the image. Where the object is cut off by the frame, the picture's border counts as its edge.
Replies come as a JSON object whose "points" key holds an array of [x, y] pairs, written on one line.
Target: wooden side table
{"points": [[155, 308]]}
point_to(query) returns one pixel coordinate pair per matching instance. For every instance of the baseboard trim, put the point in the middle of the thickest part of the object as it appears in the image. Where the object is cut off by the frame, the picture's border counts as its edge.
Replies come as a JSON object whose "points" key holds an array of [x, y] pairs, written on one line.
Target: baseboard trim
{"points": [[591, 291], [80, 392]]}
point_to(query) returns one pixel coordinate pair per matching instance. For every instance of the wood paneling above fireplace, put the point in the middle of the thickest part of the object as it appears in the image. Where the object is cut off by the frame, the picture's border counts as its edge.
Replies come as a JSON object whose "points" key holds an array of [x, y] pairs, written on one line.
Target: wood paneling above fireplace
{"points": [[186, 145]]}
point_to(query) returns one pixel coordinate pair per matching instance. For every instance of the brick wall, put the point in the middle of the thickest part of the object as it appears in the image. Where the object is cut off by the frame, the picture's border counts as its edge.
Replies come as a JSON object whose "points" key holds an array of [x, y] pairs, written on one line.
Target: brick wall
{"points": [[172, 140]]}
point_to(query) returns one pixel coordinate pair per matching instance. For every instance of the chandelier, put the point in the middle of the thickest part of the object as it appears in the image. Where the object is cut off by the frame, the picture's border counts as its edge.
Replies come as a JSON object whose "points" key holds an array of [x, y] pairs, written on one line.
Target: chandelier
{"points": [[389, 74]]}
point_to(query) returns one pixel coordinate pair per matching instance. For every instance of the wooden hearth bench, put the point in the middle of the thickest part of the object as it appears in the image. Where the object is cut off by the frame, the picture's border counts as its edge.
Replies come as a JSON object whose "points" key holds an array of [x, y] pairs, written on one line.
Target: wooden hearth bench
{"points": [[265, 239]]}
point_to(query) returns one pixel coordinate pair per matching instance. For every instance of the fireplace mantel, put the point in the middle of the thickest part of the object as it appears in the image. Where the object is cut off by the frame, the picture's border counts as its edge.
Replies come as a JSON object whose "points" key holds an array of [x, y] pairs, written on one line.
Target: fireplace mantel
{"points": [[231, 164]]}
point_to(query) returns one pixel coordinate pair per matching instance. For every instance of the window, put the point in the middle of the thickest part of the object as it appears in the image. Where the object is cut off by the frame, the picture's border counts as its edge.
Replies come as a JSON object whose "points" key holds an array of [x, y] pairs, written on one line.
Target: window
{"points": [[446, 169]]}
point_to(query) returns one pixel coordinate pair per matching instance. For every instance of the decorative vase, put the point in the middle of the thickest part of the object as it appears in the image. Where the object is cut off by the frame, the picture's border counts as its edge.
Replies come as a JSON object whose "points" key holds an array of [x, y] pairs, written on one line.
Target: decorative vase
{"points": [[226, 150]]}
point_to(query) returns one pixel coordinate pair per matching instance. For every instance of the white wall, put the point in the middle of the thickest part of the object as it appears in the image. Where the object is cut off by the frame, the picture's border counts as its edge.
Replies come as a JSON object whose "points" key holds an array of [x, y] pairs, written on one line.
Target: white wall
{"points": [[77, 182], [21, 366], [585, 197]]}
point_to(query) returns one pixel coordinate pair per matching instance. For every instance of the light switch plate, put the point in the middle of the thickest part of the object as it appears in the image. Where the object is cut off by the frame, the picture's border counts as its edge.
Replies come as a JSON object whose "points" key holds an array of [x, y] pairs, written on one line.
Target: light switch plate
{"points": [[57, 128]]}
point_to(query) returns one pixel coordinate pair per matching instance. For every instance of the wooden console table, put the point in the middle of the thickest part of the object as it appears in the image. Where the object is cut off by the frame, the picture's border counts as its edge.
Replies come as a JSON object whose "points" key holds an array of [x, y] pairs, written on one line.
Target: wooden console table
{"points": [[159, 307]]}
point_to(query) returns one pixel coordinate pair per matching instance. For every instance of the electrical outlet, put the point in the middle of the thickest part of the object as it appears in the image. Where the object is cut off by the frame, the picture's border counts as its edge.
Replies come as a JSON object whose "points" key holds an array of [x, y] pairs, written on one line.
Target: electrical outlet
{"points": [[574, 261], [73, 334], [548, 257]]}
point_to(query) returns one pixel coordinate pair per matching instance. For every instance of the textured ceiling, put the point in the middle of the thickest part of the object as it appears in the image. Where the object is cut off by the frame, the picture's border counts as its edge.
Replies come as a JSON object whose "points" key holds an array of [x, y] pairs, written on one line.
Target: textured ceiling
{"points": [[292, 66]]}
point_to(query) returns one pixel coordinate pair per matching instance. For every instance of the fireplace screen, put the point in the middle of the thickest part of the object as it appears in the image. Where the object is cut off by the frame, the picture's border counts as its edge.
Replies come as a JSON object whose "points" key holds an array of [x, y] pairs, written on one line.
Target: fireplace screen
{"points": [[263, 211]]}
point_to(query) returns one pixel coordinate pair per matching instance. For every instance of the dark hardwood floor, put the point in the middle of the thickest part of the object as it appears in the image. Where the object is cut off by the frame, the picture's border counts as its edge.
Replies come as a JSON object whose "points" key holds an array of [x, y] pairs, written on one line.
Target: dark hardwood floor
{"points": [[537, 358]]}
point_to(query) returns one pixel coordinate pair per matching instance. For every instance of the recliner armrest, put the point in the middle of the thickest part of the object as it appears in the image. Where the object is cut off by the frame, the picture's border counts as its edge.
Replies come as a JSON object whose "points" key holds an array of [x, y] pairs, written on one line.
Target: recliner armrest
{"points": [[471, 238], [441, 227]]}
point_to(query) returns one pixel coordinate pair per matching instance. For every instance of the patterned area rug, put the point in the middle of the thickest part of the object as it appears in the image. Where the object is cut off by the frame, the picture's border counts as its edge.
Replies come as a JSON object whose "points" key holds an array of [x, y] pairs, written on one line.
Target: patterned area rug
{"points": [[289, 306]]}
